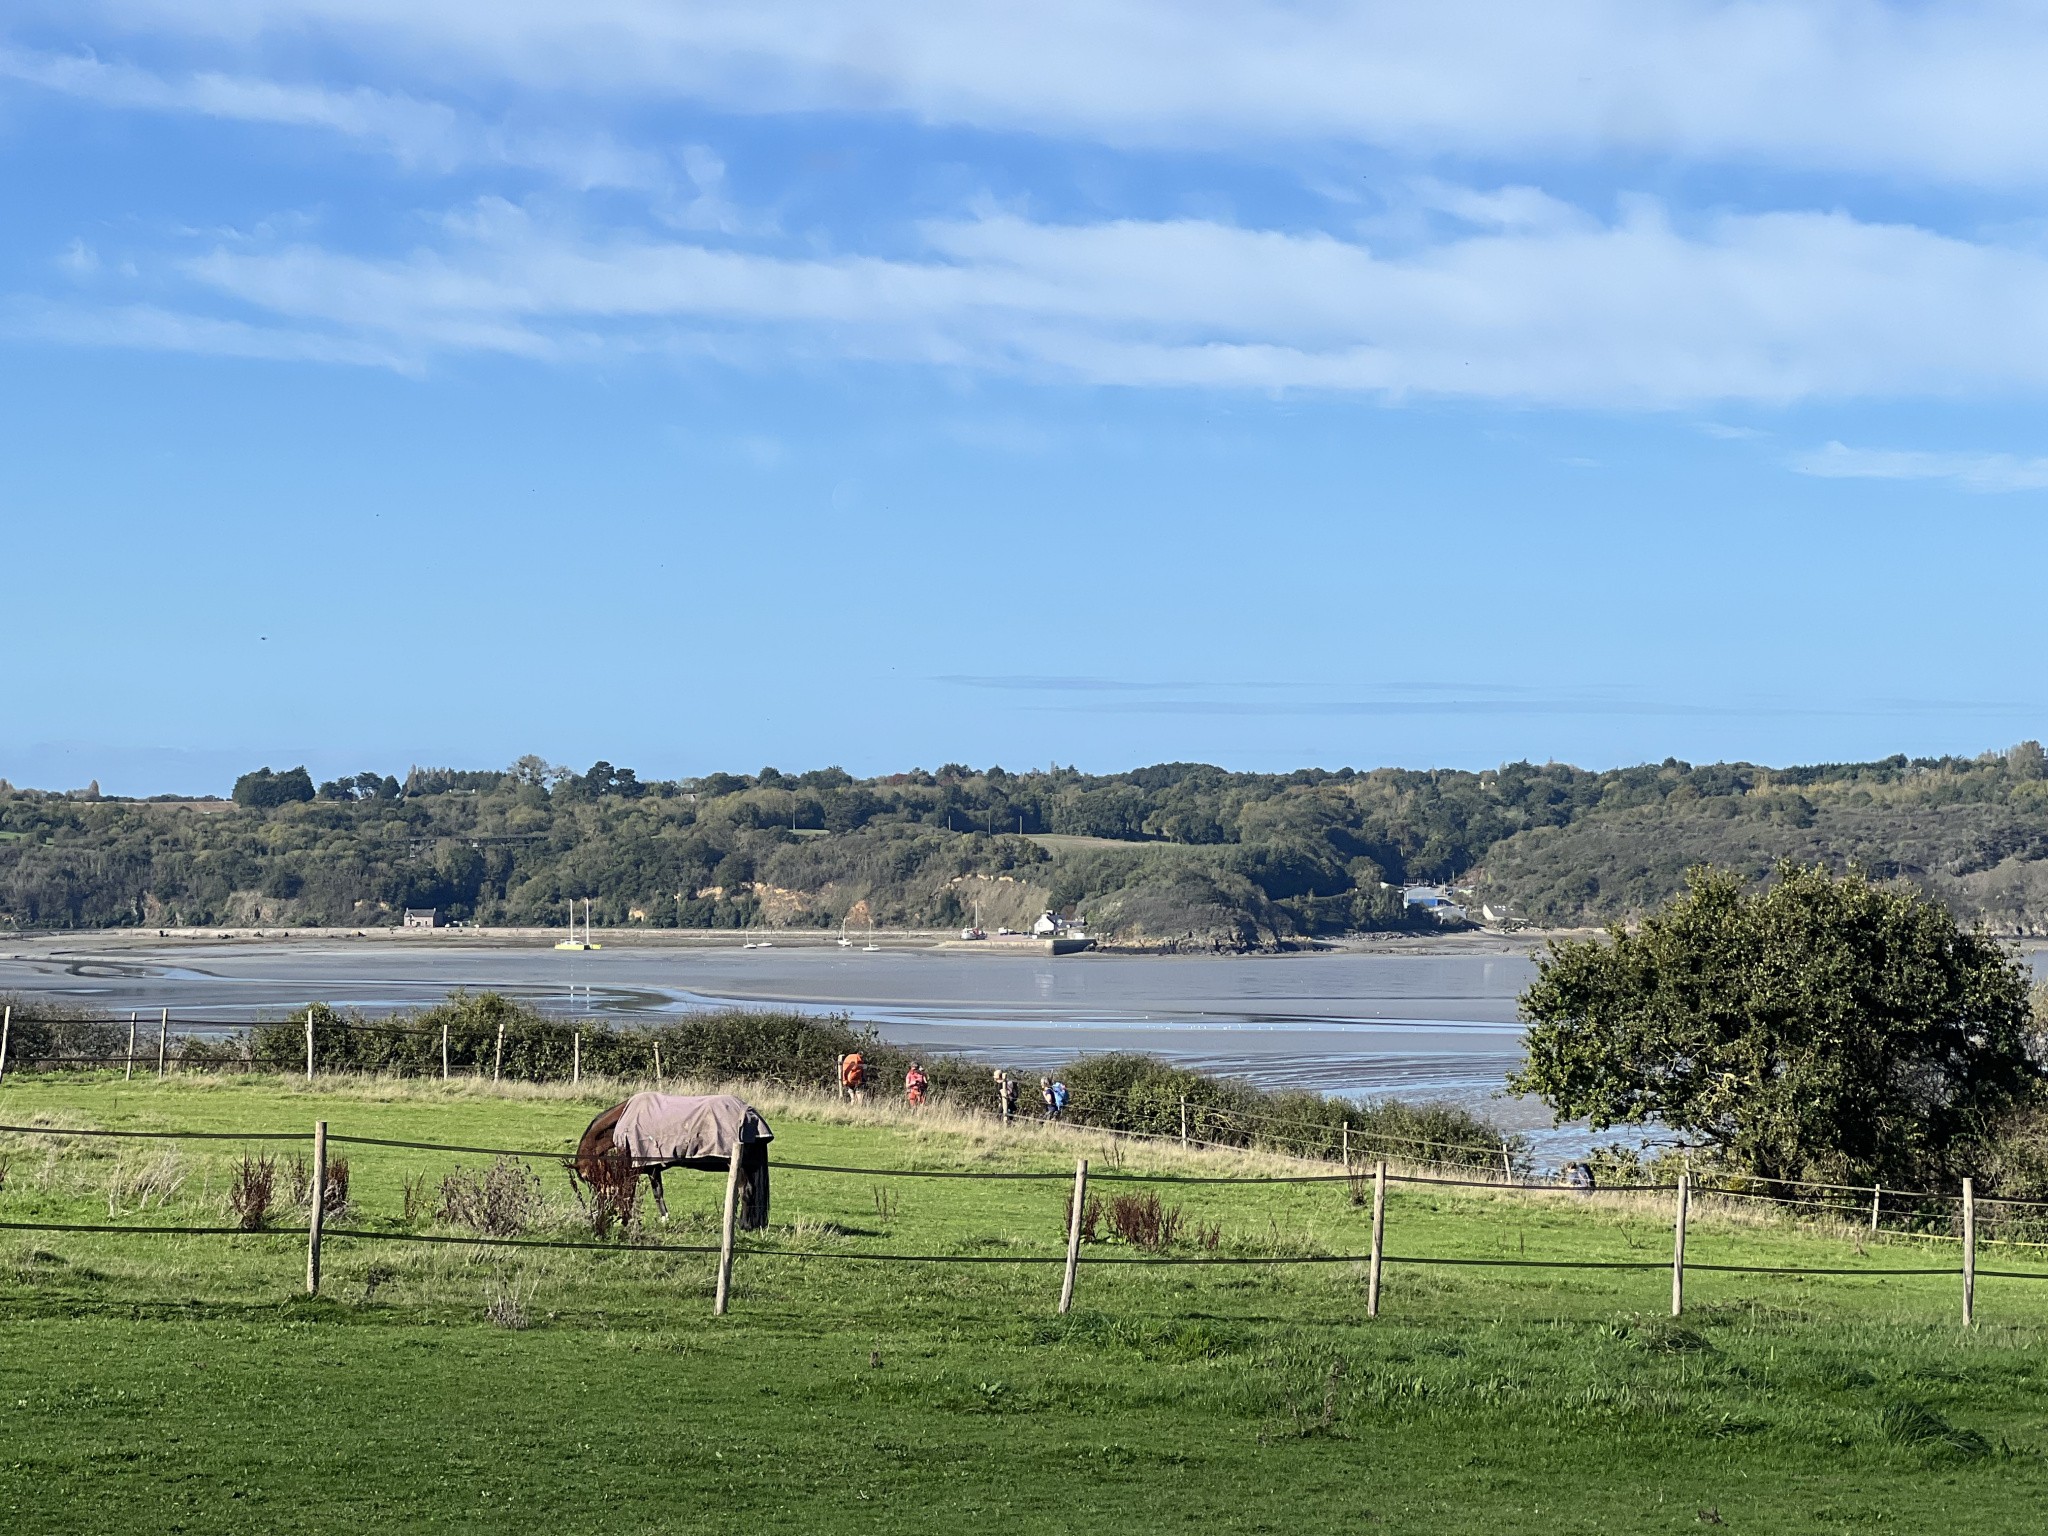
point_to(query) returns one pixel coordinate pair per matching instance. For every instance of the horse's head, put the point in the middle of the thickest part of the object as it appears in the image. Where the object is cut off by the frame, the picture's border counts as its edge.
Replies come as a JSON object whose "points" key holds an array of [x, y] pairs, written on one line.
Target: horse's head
{"points": [[596, 1159]]}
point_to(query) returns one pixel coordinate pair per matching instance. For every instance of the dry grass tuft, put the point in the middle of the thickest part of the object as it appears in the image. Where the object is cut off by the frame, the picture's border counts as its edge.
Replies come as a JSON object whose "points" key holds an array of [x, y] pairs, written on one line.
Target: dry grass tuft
{"points": [[250, 1194], [155, 1182], [506, 1307]]}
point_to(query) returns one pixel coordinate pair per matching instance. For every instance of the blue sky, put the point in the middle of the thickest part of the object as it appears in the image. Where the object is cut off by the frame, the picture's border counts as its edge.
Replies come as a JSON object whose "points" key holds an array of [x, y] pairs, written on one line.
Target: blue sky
{"points": [[703, 386]]}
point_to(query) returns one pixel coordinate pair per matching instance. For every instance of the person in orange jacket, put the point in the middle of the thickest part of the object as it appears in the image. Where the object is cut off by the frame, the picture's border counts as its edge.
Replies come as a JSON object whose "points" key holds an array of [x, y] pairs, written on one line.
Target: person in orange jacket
{"points": [[853, 1078]]}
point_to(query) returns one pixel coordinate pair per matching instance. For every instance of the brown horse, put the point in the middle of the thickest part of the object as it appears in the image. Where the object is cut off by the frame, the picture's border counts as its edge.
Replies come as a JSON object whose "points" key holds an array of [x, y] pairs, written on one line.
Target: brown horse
{"points": [[654, 1131]]}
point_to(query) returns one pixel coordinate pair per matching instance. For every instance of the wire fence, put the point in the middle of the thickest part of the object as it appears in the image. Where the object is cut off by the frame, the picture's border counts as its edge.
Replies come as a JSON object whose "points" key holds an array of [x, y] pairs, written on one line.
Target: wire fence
{"points": [[1373, 1263]]}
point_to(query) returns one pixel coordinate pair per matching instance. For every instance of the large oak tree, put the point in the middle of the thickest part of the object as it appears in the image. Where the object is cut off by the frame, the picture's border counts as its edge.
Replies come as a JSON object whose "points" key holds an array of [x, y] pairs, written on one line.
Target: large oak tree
{"points": [[1823, 1028]]}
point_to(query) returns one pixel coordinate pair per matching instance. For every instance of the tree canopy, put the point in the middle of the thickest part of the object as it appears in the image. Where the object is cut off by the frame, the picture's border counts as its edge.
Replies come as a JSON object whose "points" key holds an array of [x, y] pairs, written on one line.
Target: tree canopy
{"points": [[1825, 1028], [263, 789]]}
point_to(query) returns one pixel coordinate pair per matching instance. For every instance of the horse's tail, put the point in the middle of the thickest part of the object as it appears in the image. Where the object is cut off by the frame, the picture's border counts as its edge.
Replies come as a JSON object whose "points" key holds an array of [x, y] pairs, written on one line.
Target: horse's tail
{"points": [[753, 1213]]}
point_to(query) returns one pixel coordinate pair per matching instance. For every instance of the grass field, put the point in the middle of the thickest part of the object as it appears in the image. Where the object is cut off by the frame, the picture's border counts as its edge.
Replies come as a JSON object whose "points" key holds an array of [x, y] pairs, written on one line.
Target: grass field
{"points": [[186, 1384]]}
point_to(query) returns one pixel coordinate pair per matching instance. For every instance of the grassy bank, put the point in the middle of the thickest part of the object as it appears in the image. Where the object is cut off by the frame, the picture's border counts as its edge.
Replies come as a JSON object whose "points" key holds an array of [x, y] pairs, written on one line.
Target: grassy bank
{"points": [[184, 1384]]}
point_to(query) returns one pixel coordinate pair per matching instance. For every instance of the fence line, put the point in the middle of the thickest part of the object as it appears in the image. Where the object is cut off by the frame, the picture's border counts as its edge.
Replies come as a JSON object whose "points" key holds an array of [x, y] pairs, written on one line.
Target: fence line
{"points": [[1099, 1260], [1111, 1176], [1376, 1259], [60, 1130], [1117, 1260], [108, 1227]]}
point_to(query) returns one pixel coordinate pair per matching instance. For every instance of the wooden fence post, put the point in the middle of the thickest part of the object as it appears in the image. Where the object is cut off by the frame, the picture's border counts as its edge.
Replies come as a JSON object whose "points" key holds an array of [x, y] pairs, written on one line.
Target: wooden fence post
{"points": [[1347, 1146], [309, 1045], [1183, 1122], [498, 1055], [129, 1075], [732, 1201], [657, 1064], [576, 1057], [1379, 1239], [163, 1041], [444, 1053], [1074, 1234], [1969, 1252], [1678, 1246], [315, 1222], [6, 1029], [1507, 1166], [1876, 1193]]}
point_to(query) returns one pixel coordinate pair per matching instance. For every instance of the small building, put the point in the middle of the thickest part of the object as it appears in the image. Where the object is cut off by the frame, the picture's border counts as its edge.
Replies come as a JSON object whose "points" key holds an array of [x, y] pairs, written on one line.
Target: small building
{"points": [[423, 917]]}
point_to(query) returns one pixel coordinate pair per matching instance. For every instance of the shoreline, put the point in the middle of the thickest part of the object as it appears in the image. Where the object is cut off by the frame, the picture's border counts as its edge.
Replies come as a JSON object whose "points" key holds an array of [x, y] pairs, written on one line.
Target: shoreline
{"points": [[946, 941]]}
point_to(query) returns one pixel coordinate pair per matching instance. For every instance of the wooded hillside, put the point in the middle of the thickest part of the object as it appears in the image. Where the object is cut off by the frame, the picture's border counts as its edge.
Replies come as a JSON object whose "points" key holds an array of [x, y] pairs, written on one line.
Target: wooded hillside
{"points": [[1176, 854]]}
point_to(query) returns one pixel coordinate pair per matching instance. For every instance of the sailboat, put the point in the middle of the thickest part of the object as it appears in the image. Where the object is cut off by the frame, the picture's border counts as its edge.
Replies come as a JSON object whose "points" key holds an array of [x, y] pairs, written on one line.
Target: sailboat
{"points": [[571, 942]]}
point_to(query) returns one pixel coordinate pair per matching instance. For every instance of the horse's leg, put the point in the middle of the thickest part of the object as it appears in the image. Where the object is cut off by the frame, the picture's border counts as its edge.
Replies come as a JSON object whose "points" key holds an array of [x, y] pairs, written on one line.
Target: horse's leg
{"points": [[660, 1204]]}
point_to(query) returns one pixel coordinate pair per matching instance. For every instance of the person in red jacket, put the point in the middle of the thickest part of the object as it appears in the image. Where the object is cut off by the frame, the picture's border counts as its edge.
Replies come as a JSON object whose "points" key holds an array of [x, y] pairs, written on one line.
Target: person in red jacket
{"points": [[914, 1085]]}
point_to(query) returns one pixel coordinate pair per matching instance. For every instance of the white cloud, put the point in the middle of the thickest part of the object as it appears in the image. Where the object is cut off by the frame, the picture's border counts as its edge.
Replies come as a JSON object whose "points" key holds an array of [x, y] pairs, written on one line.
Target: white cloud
{"points": [[1637, 313], [423, 135], [1949, 92], [79, 260], [153, 329], [1971, 471]]}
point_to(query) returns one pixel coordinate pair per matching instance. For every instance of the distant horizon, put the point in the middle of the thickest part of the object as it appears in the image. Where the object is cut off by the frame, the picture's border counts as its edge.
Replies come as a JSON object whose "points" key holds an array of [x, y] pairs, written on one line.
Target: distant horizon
{"points": [[223, 790]]}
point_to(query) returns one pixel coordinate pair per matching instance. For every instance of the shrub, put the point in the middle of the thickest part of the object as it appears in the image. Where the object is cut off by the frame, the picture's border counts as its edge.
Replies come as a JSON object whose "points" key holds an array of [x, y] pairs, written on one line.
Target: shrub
{"points": [[499, 1202], [50, 1034], [301, 1174], [1091, 1217], [250, 1194], [1142, 1222]]}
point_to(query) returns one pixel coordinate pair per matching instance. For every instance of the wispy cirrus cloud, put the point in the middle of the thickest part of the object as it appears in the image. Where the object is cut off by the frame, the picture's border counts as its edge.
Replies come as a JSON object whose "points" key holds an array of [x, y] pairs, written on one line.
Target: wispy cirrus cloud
{"points": [[1949, 93], [420, 134], [149, 328], [1638, 312], [1988, 472]]}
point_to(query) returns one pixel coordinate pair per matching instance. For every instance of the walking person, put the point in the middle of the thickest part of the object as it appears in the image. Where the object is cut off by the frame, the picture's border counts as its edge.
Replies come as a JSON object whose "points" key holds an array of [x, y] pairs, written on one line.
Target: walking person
{"points": [[853, 1078], [914, 1085], [1045, 1097], [1006, 1095], [1059, 1099]]}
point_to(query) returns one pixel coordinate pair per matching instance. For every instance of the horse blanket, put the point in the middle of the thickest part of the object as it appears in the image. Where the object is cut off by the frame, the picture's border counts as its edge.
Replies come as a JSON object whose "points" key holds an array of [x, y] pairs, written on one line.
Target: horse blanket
{"points": [[657, 1129]]}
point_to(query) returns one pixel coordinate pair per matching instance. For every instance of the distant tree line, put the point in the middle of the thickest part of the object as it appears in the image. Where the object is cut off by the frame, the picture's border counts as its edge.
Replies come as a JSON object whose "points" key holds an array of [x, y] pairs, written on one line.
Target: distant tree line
{"points": [[1177, 854]]}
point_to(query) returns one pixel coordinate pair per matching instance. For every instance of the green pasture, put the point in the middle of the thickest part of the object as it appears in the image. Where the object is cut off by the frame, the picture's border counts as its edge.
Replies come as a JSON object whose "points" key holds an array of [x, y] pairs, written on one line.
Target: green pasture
{"points": [[187, 1384]]}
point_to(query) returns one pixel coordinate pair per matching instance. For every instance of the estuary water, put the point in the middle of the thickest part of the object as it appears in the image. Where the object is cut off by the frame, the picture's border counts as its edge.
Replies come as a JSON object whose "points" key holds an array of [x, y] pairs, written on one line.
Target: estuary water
{"points": [[1413, 1025]]}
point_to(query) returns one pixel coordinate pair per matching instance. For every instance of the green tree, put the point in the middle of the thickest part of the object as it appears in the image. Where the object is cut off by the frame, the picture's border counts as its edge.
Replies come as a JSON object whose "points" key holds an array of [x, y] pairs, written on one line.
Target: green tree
{"points": [[1823, 1028], [263, 788]]}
